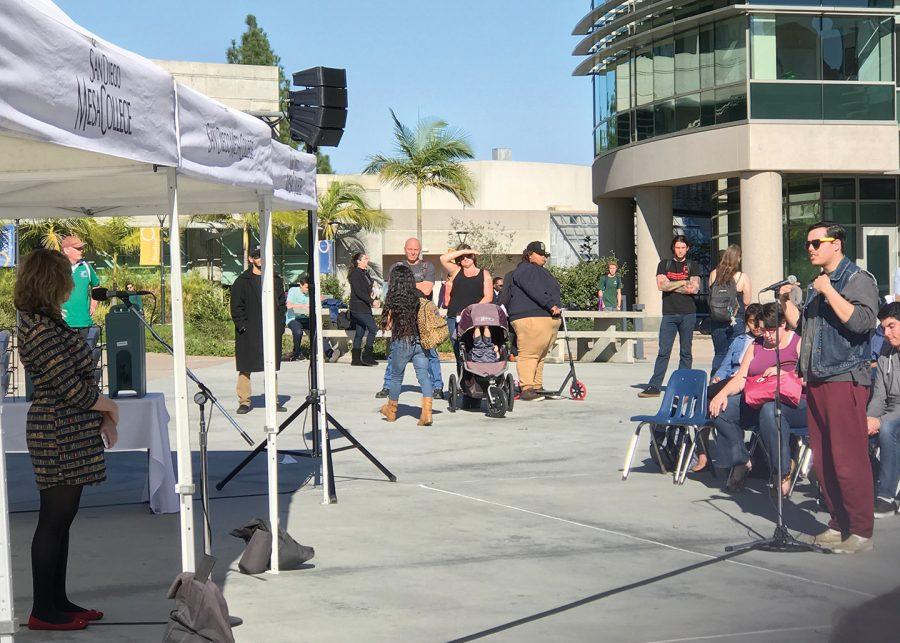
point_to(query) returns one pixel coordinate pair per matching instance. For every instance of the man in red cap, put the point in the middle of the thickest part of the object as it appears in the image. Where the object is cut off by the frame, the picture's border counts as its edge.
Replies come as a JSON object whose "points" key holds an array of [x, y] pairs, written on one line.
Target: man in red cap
{"points": [[78, 309]]}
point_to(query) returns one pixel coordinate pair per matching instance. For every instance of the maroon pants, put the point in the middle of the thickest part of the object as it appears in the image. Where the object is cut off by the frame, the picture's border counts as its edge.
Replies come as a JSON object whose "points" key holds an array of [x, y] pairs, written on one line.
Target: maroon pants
{"points": [[839, 440]]}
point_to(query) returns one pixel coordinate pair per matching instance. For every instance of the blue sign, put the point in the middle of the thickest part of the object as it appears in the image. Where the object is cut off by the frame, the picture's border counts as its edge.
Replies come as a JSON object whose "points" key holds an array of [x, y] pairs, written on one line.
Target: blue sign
{"points": [[326, 255], [7, 246]]}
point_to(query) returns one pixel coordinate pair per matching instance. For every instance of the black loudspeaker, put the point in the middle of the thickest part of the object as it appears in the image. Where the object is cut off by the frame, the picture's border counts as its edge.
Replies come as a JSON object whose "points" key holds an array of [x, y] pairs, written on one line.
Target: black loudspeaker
{"points": [[321, 77], [318, 114], [126, 352]]}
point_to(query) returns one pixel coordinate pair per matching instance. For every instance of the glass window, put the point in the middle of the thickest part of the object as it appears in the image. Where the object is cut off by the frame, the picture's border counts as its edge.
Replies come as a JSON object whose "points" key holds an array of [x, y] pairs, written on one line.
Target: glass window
{"points": [[610, 90], [663, 69], [601, 143], [839, 211], [855, 101], [623, 85], [644, 76], [600, 102], [611, 133], [623, 128], [797, 47], [804, 213], [762, 46], [707, 56], [878, 213], [856, 48], [707, 108], [785, 100], [687, 112], [731, 104], [877, 189], [644, 122], [664, 117], [730, 58], [687, 63], [803, 189], [838, 189]]}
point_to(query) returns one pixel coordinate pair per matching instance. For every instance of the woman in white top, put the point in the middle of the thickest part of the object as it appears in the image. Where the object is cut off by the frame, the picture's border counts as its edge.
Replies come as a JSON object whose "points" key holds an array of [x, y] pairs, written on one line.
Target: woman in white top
{"points": [[727, 276]]}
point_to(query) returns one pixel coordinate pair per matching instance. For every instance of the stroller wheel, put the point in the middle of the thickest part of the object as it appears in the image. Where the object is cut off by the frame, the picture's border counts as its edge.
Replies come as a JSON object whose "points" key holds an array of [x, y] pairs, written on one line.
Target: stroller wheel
{"points": [[496, 401], [453, 394], [510, 387], [578, 390]]}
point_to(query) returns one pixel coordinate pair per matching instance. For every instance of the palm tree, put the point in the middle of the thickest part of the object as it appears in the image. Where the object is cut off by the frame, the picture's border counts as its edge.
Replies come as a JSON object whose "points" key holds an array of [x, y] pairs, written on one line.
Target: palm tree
{"points": [[49, 233], [428, 157], [344, 203]]}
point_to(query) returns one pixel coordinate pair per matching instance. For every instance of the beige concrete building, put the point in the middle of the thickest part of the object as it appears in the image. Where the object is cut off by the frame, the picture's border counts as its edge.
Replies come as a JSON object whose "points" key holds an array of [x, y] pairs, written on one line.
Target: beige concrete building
{"points": [[518, 199], [249, 88], [787, 113]]}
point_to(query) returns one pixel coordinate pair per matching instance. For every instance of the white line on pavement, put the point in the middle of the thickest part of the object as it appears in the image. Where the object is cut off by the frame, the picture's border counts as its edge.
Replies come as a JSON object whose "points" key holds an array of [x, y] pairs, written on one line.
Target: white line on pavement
{"points": [[713, 637], [648, 541]]}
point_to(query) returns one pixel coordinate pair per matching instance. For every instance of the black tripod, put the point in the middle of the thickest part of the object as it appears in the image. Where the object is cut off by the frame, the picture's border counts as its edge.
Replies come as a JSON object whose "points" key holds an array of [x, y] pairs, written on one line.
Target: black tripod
{"points": [[781, 540], [315, 400]]}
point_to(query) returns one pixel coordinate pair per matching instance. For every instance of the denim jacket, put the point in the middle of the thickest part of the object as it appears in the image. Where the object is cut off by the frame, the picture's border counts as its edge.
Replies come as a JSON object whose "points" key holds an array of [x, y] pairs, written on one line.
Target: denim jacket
{"points": [[832, 347]]}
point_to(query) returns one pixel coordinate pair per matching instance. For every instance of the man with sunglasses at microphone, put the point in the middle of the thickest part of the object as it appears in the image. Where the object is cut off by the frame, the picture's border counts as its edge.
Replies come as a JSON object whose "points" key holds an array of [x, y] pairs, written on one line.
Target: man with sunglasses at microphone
{"points": [[836, 322]]}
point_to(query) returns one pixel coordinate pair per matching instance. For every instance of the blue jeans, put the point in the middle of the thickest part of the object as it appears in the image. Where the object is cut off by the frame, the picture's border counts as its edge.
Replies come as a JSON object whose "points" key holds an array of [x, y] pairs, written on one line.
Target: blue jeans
{"points": [[434, 366], [737, 417], [451, 327], [402, 353], [723, 333], [671, 325], [889, 442], [364, 322]]}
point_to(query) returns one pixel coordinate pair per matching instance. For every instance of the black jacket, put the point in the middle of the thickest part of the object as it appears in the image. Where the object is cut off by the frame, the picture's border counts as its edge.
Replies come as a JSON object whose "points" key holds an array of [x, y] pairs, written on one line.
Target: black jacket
{"points": [[246, 313], [530, 291], [360, 291]]}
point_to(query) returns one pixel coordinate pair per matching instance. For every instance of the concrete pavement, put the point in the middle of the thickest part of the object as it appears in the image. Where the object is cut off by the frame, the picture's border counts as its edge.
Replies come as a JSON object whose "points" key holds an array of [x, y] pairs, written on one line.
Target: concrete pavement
{"points": [[507, 529]]}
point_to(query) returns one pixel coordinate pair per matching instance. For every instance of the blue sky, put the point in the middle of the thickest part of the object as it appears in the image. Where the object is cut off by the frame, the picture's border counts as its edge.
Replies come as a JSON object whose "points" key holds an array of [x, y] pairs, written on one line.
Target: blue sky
{"points": [[498, 69]]}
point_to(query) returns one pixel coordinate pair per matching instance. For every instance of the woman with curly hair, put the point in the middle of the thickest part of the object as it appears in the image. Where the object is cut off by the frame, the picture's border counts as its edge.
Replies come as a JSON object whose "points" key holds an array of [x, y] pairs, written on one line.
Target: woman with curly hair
{"points": [[400, 316]]}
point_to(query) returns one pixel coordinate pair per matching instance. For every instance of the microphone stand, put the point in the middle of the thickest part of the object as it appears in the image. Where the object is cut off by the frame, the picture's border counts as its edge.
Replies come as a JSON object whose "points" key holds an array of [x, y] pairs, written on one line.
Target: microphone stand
{"points": [[781, 540], [203, 395]]}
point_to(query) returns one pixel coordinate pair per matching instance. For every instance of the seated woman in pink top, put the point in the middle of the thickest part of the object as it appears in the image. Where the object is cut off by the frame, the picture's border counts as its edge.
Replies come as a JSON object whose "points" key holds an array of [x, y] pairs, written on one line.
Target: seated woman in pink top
{"points": [[733, 416]]}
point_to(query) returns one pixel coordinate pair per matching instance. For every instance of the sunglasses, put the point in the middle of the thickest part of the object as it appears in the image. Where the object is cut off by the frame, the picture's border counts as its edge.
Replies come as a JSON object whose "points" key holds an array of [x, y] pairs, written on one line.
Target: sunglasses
{"points": [[816, 243]]}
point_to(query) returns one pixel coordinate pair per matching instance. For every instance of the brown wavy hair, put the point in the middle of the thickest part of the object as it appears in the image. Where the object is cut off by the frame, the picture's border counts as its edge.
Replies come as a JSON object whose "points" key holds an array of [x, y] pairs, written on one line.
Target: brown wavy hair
{"points": [[729, 264], [43, 283]]}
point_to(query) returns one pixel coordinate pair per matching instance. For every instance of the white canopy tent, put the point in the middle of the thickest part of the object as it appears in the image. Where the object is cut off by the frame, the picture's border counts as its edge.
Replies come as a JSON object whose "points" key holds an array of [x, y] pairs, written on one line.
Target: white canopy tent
{"points": [[89, 129]]}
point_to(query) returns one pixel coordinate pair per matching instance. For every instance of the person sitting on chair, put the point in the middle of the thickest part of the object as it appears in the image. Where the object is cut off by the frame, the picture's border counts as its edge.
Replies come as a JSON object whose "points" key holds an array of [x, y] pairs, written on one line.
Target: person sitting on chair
{"points": [[733, 415], [883, 412]]}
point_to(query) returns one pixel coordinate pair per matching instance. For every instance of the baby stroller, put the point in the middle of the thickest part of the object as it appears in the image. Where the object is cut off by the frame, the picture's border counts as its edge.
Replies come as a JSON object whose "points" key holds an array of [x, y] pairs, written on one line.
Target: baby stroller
{"points": [[475, 381]]}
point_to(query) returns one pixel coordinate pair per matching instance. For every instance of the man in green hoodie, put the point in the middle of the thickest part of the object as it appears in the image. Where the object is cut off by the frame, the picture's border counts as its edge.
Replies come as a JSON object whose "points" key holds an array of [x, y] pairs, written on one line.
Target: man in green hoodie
{"points": [[883, 411]]}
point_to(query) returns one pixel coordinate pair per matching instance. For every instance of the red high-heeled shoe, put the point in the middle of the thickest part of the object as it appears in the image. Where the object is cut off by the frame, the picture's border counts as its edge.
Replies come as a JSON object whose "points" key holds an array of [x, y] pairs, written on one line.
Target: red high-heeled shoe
{"points": [[74, 624], [86, 615]]}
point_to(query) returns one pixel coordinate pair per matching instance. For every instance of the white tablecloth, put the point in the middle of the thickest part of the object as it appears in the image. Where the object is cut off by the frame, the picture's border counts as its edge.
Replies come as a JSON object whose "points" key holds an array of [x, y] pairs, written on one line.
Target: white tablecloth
{"points": [[143, 424]]}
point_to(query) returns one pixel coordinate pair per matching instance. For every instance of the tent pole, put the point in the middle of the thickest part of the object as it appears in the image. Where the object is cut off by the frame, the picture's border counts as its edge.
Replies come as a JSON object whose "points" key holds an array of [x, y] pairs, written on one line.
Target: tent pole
{"points": [[270, 345], [320, 421], [8, 623], [185, 486]]}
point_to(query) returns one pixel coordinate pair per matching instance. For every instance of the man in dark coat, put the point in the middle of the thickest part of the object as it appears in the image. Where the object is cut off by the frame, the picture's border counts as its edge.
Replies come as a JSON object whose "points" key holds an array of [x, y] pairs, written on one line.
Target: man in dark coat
{"points": [[246, 312]]}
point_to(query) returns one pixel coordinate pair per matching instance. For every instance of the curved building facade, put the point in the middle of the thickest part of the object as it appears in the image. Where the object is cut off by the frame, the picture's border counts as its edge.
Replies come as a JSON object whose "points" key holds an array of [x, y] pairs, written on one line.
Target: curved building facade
{"points": [[788, 110]]}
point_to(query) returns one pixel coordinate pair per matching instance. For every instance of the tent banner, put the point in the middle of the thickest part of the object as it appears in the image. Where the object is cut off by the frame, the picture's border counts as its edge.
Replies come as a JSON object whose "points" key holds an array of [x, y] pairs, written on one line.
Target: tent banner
{"points": [[221, 143], [294, 176], [8, 246], [150, 246], [63, 85]]}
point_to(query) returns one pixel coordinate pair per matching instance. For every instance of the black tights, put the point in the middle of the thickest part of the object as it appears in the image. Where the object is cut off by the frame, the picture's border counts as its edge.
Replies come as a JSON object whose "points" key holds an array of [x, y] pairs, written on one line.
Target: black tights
{"points": [[50, 553]]}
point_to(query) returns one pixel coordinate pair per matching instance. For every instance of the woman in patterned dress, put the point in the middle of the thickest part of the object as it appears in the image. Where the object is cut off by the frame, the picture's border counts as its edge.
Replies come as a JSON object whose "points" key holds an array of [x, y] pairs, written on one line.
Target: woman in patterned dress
{"points": [[68, 423]]}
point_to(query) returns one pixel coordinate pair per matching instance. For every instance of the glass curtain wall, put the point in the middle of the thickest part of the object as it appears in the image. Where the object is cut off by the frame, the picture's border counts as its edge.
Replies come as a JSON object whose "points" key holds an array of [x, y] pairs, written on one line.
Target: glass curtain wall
{"points": [[693, 78], [821, 67]]}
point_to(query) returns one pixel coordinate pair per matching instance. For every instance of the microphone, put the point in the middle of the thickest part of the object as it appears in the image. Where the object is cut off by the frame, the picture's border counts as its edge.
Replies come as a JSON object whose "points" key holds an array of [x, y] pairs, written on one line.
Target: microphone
{"points": [[103, 294], [790, 281]]}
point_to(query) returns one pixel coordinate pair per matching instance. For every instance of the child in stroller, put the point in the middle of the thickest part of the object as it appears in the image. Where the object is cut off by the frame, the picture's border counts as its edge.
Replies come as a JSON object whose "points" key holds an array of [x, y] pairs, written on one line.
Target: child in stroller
{"points": [[481, 373]]}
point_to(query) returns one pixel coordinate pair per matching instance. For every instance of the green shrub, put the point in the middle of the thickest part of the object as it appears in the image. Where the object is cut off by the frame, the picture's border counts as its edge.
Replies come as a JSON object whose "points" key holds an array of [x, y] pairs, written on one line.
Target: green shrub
{"points": [[7, 308], [332, 287]]}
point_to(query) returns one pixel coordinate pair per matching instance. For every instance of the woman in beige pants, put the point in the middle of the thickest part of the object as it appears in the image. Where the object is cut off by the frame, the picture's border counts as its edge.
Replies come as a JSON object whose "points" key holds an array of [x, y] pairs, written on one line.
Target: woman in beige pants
{"points": [[532, 299]]}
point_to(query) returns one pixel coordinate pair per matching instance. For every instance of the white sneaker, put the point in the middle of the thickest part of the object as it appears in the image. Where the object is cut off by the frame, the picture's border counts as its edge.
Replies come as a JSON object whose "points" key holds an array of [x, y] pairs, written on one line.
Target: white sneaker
{"points": [[853, 545]]}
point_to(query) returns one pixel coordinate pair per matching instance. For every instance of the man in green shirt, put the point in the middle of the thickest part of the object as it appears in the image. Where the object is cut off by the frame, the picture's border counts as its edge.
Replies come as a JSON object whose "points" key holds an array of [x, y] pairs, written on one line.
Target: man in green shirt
{"points": [[78, 309], [611, 288]]}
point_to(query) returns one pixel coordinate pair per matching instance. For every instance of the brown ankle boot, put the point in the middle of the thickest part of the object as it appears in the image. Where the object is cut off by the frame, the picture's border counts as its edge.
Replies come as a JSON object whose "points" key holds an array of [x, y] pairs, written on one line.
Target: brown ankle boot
{"points": [[389, 411], [425, 417]]}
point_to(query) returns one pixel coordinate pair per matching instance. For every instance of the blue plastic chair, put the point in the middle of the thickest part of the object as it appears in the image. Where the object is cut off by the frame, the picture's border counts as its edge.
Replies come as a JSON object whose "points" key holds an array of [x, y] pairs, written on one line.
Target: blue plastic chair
{"points": [[683, 406]]}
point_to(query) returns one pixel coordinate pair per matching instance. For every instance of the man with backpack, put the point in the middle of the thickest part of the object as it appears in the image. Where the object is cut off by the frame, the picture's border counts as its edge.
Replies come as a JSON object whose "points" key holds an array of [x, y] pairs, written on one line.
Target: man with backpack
{"points": [[678, 279]]}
